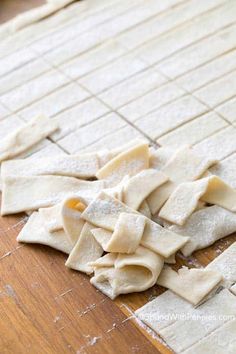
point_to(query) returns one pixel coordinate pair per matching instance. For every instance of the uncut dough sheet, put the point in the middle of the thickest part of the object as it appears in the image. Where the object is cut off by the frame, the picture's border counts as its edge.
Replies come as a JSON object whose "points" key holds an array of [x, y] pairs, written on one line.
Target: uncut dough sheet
{"points": [[181, 334]]}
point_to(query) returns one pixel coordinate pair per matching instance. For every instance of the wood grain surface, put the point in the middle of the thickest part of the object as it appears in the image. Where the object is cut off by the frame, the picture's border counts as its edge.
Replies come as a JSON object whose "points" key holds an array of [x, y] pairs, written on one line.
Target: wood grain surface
{"points": [[10, 8], [47, 308]]}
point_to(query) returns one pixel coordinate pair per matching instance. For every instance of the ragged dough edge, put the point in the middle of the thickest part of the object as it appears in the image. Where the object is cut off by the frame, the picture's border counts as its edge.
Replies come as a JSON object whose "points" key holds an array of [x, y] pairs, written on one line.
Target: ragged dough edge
{"points": [[86, 250], [184, 200], [26, 136], [218, 221], [27, 18], [131, 273], [140, 186], [129, 162], [191, 284], [35, 232]]}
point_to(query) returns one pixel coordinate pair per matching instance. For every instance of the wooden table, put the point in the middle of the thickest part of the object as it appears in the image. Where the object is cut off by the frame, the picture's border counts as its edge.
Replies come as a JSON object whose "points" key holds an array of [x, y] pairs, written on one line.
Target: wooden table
{"points": [[10, 8], [47, 308]]}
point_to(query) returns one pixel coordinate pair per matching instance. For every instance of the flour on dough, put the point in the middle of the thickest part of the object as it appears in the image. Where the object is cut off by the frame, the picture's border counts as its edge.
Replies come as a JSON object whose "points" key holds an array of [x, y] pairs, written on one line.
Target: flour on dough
{"points": [[86, 250], [35, 232], [218, 222], [26, 136], [191, 284]]}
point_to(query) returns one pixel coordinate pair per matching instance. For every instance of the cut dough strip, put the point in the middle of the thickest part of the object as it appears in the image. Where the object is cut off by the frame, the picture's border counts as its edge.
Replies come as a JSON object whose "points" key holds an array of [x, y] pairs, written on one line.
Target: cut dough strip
{"points": [[80, 166], [184, 166], [225, 264], [104, 212], [129, 162], [141, 185], [130, 273], [184, 200], [26, 136], [86, 250], [191, 284], [126, 236], [206, 226], [35, 232], [161, 240], [31, 193]]}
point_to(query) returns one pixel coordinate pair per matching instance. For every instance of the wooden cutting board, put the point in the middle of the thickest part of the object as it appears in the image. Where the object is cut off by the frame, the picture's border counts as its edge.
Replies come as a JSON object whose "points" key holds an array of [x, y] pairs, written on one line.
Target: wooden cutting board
{"points": [[47, 308]]}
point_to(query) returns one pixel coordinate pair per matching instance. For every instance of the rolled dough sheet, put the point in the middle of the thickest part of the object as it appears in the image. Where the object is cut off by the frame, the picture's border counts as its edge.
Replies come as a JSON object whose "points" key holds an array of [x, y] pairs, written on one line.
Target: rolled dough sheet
{"points": [[226, 170], [222, 340], [25, 137], [217, 221], [225, 264], [31, 193], [180, 324], [35, 232]]}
